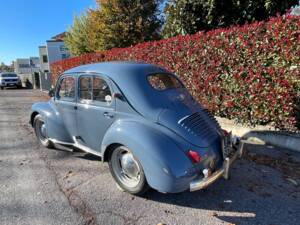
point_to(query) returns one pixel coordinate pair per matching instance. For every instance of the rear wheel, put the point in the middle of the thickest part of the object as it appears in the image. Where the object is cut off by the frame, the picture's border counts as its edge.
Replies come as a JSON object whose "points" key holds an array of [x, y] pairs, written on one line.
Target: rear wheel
{"points": [[127, 171], [41, 133]]}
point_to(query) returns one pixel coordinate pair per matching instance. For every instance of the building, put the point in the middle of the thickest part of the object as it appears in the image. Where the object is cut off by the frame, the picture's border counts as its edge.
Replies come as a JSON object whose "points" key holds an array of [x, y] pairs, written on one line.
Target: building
{"points": [[27, 66], [44, 63], [28, 70], [54, 50]]}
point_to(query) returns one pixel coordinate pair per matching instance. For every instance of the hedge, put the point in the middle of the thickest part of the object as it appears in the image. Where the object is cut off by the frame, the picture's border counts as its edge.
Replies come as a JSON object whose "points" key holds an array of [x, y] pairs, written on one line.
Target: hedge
{"points": [[249, 73]]}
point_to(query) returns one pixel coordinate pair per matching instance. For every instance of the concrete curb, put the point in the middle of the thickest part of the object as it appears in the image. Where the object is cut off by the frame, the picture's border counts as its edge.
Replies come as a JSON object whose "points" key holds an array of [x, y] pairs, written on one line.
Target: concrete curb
{"points": [[262, 134]]}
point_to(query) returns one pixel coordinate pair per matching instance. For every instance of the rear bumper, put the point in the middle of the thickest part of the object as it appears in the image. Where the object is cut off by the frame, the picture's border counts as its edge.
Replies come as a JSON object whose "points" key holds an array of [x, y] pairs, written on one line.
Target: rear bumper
{"points": [[202, 183]]}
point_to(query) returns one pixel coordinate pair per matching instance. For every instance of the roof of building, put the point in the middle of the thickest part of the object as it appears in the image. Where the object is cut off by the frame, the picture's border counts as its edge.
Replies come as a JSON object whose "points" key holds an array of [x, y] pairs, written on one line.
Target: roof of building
{"points": [[59, 37]]}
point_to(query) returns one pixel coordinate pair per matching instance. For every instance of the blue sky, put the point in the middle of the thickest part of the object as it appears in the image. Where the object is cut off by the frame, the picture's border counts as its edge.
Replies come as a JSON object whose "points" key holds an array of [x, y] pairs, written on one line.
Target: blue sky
{"points": [[27, 24]]}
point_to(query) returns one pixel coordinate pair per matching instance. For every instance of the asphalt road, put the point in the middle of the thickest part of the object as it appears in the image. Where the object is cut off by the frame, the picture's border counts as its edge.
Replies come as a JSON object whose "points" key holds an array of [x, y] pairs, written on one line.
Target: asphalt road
{"points": [[40, 186]]}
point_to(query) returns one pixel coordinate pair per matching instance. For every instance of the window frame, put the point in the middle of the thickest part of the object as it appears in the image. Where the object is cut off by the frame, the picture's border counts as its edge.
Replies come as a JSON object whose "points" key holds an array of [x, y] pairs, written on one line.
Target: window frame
{"points": [[92, 101], [58, 86], [167, 89]]}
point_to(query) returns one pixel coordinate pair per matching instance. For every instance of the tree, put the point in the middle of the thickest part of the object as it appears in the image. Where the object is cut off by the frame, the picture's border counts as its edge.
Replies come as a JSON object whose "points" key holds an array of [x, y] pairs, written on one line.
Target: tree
{"points": [[6, 68], [122, 23], [77, 38], [191, 16]]}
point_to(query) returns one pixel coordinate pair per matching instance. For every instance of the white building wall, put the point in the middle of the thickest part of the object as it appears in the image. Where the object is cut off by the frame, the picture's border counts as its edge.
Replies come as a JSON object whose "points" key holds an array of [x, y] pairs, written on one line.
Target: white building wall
{"points": [[22, 66], [44, 61]]}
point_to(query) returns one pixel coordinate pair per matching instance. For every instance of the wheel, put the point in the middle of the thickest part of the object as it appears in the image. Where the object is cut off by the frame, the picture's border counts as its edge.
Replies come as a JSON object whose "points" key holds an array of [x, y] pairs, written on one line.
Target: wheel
{"points": [[127, 171], [2, 88], [40, 132]]}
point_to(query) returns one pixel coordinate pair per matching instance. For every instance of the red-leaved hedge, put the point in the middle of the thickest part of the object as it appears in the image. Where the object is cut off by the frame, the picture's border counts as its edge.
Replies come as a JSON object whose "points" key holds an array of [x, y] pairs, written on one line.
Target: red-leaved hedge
{"points": [[250, 73]]}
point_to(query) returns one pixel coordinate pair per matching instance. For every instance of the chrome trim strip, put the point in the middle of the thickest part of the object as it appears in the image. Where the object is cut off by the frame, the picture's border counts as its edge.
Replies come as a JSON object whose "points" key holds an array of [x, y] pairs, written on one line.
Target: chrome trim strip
{"points": [[77, 145], [60, 142], [87, 149], [183, 118]]}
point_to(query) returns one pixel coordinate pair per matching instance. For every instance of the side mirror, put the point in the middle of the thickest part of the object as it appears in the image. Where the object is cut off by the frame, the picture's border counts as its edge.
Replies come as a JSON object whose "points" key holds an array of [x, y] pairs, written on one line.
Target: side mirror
{"points": [[51, 92]]}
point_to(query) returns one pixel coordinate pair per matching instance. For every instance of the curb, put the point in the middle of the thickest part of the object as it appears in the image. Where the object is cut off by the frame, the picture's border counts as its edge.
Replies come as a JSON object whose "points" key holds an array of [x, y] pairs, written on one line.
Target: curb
{"points": [[262, 134]]}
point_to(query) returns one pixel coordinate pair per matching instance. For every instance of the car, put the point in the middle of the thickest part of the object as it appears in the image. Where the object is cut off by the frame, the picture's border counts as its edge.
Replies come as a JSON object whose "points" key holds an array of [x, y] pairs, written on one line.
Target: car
{"points": [[140, 119], [10, 80]]}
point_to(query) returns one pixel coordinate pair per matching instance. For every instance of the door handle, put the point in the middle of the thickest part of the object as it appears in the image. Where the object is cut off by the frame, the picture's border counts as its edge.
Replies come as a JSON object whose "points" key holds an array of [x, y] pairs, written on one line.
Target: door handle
{"points": [[108, 115]]}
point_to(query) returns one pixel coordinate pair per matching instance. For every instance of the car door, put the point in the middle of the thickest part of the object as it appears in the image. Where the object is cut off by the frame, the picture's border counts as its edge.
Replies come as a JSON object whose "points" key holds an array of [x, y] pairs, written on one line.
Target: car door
{"points": [[65, 102], [96, 110]]}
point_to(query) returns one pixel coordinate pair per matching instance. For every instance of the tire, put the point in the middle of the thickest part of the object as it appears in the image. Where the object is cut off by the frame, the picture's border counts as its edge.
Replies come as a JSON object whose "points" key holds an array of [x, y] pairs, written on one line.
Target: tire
{"points": [[40, 132], [2, 88], [131, 179]]}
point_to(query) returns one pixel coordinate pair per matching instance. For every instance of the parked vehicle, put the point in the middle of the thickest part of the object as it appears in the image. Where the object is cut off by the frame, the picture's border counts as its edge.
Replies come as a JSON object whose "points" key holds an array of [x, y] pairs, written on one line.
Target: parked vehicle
{"points": [[10, 80], [142, 121]]}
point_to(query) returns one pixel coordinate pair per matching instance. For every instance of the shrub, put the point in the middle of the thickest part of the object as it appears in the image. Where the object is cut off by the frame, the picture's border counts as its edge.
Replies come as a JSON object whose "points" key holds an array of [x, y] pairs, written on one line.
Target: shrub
{"points": [[250, 73]]}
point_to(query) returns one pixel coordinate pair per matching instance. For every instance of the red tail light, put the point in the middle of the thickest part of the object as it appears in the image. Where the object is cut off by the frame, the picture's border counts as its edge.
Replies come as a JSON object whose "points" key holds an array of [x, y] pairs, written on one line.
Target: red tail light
{"points": [[225, 132], [194, 156]]}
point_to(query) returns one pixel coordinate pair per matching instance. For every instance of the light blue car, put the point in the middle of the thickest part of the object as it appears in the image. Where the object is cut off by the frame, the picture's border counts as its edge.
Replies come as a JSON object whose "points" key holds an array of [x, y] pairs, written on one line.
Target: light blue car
{"points": [[142, 121]]}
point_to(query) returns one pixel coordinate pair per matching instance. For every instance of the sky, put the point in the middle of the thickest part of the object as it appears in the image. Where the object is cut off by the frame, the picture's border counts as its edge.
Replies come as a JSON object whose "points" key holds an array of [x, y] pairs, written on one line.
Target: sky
{"points": [[27, 24]]}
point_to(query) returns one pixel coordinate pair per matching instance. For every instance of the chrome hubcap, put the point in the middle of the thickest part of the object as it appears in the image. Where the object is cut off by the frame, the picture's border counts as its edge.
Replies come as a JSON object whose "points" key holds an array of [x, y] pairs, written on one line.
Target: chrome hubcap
{"points": [[126, 167], [41, 130], [129, 165]]}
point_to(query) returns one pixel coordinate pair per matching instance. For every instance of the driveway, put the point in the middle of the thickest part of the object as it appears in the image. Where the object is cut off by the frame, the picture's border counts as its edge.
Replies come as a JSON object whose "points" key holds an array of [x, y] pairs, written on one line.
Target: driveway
{"points": [[40, 186]]}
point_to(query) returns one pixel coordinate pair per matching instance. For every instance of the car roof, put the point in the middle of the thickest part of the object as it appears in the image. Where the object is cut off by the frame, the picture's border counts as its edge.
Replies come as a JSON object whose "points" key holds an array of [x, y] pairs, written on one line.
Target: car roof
{"points": [[115, 69]]}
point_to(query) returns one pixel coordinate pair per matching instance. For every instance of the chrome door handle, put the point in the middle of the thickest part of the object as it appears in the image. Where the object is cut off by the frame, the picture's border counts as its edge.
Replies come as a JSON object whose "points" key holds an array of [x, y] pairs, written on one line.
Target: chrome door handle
{"points": [[108, 115]]}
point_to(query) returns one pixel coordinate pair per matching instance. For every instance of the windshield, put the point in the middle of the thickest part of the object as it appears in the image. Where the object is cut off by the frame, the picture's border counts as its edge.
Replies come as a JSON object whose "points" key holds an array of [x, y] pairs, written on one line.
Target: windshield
{"points": [[9, 75], [164, 81]]}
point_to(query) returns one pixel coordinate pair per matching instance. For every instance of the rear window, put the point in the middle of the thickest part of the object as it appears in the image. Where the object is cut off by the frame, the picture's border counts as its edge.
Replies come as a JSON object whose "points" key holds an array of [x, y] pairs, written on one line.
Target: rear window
{"points": [[9, 75], [163, 81]]}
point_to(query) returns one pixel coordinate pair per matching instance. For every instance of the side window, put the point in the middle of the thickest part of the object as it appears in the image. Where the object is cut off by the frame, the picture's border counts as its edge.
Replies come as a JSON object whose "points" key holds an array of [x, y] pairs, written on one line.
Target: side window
{"points": [[85, 88], [101, 91], [66, 89], [94, 89]]}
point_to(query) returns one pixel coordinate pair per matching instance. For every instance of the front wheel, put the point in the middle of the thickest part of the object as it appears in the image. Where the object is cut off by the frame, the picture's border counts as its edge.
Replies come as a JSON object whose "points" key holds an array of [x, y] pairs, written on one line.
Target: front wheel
{"points": [[40, 132], [127, 171], [2, 88]]}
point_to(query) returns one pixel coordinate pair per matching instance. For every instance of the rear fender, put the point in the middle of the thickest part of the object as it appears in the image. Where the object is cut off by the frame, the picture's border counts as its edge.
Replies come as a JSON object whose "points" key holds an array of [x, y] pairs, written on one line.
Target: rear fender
{"points": [[163, 162]]}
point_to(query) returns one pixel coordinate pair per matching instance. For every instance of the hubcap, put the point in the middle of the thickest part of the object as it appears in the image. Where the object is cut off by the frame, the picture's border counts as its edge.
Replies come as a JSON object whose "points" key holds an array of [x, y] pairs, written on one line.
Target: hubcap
{"points": [[125, 167], [129, 165], [40, 129], [43, 130]]}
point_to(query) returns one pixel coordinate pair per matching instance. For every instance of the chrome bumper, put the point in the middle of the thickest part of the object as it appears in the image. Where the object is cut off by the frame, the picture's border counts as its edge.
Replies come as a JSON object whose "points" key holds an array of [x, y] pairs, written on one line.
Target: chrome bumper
{"points": [[202, 183]]}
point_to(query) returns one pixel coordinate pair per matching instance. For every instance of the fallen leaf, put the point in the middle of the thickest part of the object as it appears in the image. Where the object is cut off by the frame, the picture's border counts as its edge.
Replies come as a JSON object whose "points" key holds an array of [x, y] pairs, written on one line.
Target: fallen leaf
{"points": [[69, 174]]}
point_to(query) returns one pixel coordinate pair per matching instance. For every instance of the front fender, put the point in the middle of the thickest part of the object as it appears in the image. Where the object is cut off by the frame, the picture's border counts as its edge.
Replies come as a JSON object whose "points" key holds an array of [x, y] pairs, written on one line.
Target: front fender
{"points": [[54, 124], [166, 166]]}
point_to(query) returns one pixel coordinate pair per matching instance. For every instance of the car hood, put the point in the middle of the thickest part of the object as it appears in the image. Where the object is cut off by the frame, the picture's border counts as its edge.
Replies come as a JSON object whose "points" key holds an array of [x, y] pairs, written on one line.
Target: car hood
{"points": [[189, 120]]}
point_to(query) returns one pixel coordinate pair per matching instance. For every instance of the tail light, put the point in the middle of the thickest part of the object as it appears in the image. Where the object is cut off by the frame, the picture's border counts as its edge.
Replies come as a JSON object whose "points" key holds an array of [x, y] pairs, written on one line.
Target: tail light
{"points": [[225, 132], [194, 156]]}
